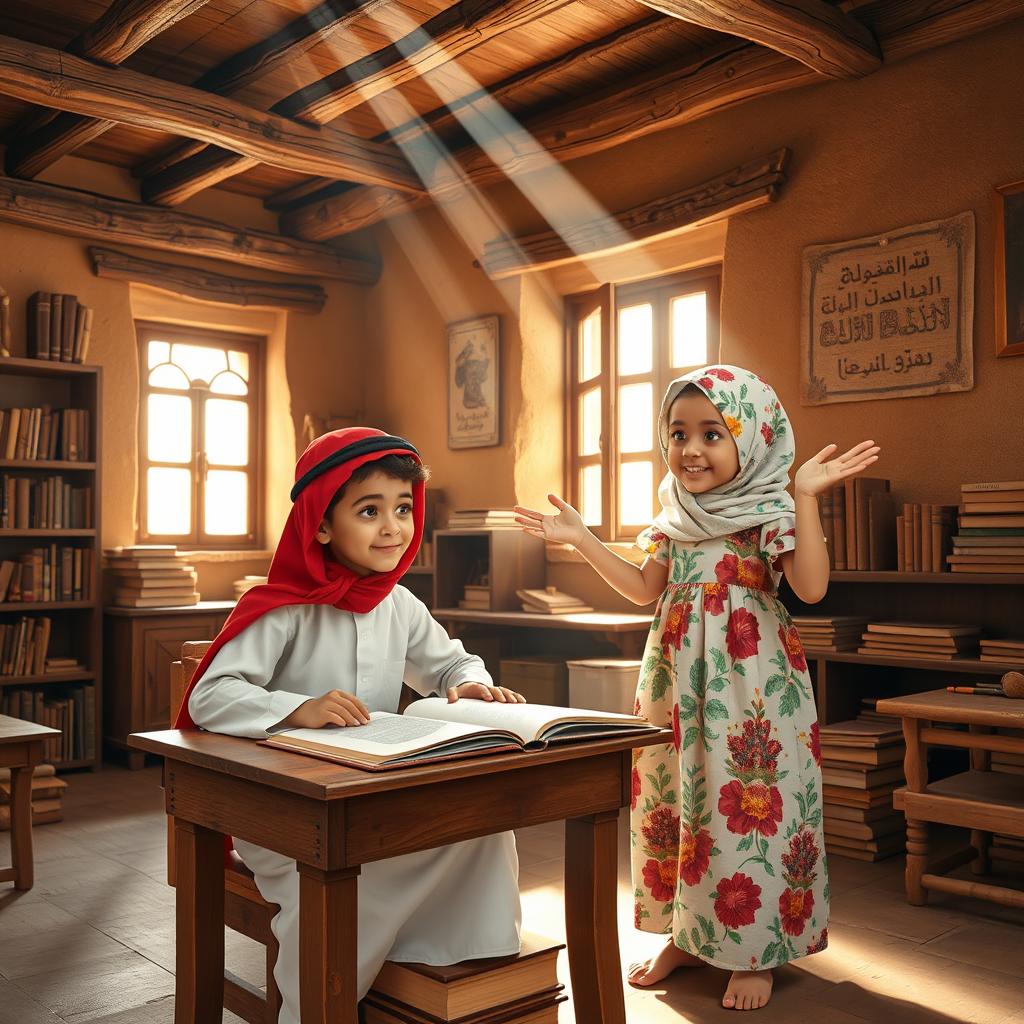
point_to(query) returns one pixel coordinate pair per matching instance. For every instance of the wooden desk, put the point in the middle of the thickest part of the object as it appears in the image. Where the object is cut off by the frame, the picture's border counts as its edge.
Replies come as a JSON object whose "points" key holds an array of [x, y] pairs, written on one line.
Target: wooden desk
{"points": [[332, 819], [980, 799], [627, 632], [21, 749]]}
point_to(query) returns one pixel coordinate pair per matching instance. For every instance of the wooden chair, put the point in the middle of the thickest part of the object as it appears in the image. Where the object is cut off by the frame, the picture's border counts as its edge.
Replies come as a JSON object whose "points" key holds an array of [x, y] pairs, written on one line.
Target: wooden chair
{"points": [[245, 910]]}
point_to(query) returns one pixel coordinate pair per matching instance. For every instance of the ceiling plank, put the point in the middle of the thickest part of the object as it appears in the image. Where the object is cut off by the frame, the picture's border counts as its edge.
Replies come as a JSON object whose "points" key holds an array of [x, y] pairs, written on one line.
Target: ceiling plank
{"points": [[811, 31], [657, 101], [55, 79], [207, 285], [85, 215], [440, 40], [123, 28], [743, 188]]}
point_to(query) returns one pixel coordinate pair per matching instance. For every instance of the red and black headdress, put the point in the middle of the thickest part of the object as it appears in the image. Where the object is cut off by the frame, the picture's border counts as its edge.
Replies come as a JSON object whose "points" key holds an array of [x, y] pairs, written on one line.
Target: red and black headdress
{"points": [[302, 572]]}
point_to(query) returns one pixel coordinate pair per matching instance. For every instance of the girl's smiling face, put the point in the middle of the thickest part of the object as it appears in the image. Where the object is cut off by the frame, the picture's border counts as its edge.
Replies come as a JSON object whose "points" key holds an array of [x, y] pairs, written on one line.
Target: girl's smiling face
{"points": [[702, 454]]}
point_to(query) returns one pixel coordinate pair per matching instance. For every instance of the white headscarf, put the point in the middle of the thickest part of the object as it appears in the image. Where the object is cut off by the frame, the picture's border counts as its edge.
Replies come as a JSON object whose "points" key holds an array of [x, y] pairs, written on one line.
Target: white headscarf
{"points": [[764, 441]]}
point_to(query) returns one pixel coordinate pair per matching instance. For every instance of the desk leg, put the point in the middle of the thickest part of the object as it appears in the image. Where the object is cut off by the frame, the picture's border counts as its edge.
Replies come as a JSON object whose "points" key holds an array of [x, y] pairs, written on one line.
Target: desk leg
{"points": [[981, 761], [327, 945], [21, 826], [915, 767], [591, 880], [199, 903]]}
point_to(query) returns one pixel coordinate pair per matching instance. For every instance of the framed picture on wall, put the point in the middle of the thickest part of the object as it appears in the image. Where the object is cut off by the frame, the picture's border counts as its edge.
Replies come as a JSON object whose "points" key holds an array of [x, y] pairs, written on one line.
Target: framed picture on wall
{"points": [[1009, 211], [473, 383]]}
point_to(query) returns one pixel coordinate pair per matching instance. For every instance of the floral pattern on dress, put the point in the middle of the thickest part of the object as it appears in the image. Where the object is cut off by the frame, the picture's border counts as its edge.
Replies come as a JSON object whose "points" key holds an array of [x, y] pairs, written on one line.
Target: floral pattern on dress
{"points": [[726, 828]]}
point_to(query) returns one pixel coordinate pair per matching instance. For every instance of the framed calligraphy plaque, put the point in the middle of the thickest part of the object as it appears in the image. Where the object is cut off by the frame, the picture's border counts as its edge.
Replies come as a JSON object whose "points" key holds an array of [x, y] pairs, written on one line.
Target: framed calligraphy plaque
{"points": [[889, 316], [1009, 222], [473, 383]]}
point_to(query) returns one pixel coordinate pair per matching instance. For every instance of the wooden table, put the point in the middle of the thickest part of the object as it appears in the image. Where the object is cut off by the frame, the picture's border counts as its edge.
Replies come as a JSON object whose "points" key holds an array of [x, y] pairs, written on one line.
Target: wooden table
{"points": [[21, 749], [332, 819], [980, 799], [626, 631]]}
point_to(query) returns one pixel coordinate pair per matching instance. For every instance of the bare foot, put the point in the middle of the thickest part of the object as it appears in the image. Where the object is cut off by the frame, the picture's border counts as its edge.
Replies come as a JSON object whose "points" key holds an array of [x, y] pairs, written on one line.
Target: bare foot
{"points": [[650, 972], [748, 990]]}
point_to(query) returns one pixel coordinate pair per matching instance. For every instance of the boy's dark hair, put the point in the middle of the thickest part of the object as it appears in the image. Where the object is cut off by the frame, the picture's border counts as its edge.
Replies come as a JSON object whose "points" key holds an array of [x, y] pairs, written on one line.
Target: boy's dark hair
{"points": [[400, 467]]}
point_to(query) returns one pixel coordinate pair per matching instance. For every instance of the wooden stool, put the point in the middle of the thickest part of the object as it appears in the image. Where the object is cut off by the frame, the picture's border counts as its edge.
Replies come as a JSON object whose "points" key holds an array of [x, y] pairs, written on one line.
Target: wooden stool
{"points": [[980, 800], [21, 749], [245, 910]]}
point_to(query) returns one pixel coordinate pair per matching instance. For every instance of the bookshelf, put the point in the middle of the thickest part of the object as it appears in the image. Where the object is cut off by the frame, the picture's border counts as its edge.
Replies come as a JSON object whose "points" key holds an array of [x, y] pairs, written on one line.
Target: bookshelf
{"points": [[76, 623], [842, 678]]}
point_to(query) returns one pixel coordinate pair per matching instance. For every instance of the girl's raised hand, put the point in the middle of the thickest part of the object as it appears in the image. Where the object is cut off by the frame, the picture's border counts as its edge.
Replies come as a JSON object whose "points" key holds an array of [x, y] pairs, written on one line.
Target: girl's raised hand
{"points": [[565, 527], [820, 473]]}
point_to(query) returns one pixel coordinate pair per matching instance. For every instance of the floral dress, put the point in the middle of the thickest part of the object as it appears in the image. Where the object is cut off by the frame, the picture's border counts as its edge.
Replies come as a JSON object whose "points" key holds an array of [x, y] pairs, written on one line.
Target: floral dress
{"points": [[726, 823]]}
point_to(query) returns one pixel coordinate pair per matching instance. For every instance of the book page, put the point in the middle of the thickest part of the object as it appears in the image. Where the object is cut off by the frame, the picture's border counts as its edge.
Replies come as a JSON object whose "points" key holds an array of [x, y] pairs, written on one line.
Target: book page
{"points": [[527, 721]]}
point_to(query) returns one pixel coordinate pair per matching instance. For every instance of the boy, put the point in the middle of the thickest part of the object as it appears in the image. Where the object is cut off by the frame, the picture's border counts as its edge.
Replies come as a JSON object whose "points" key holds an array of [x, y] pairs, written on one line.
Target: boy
{"points": [[328, 639]]}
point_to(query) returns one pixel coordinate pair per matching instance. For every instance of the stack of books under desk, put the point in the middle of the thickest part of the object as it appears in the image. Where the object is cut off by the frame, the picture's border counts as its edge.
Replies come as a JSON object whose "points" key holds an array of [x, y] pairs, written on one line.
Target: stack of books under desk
{"points": [[522, 989], [830, 633], [991, 528], [922, 640], [861, 765], [47, 796]]}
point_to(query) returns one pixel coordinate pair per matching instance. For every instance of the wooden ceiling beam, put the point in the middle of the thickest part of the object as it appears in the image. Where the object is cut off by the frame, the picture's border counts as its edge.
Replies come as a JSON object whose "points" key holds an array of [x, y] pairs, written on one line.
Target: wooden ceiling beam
{"points": [[440, 40], [55, 79], [123, 28], [811, 31], [654, 102], [67, 211]]}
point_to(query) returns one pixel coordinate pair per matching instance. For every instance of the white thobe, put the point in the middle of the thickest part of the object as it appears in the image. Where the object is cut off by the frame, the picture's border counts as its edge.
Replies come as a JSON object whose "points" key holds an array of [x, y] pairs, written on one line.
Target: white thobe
{"points": [[438, 906]]}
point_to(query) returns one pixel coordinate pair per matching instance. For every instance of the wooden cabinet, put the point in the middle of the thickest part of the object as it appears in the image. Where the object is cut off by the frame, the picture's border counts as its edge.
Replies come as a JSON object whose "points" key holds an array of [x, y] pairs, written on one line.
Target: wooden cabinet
{"points": [[140, 645]]}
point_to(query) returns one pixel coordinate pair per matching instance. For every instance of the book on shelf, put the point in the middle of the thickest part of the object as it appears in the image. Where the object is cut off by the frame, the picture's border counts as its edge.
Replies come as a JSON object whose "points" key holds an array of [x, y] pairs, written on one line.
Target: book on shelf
{"points": [[59, 327], [53, 573], [151, 576], [473, 518], [886, 825], [127, 599], [1003, 485], [858, 490], [551, 601], [474, 988], [43, 433], [433, 730], [845, 812], [858, 776], [867, 849], [923, 629], [44, 503], [850, 796], [68, 708], [990, 538], [829, 633]]}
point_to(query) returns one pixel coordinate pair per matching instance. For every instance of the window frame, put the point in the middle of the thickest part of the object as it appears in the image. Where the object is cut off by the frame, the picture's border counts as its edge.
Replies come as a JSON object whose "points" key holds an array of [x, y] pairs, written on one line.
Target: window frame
{"points": [[611, 300], [147, 331]]}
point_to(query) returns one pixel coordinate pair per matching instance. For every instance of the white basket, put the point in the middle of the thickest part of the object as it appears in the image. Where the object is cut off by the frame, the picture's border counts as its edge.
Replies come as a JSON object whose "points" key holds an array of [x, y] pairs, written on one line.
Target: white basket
{"points": [[603, 684]]}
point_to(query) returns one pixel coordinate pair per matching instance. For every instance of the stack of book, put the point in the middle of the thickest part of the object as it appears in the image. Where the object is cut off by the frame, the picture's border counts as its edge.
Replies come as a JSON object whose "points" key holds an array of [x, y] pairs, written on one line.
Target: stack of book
{"points": [[924, 537], [47, 574], [24, 645], [71, 710], [523, 989], [858, 518], [476, 597], [59, 327], [932, 641], [830, 633], [861, 765], [43, 433], [482, 518], [1005, 651], [869, 713], [247, 583], [425, 556], [990, 537], [151, 576], [551, 601], [47, 796]]}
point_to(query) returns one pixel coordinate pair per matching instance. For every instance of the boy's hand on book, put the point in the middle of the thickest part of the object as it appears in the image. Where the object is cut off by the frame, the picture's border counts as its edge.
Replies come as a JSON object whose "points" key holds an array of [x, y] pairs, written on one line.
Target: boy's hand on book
{"points": [[821, 472], [565, 527], [481, 691], [333, 708]]}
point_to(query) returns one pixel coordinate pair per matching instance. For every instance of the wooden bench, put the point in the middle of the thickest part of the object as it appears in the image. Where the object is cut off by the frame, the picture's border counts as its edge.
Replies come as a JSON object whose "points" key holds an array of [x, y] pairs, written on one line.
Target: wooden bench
{"points": [[979, 799], [21, 749]]}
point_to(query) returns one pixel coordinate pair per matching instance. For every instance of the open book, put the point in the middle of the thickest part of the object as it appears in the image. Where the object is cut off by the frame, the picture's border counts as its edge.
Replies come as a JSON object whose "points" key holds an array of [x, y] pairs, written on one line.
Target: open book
{"points": [[434, 730]]}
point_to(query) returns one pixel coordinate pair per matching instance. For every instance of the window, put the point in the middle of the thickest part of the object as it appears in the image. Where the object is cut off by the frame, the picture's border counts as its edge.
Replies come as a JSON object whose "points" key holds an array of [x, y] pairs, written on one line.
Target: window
{"points": [[199, 458], [625, 344]]}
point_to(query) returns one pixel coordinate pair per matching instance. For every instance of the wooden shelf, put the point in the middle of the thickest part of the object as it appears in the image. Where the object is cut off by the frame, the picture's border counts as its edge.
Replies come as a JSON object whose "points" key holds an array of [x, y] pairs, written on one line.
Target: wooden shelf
{"points": [[855, 576], [49, 677], [47, 533], [61, 464], [17, 367], [969, 665], [600, 622], [43, 606]]}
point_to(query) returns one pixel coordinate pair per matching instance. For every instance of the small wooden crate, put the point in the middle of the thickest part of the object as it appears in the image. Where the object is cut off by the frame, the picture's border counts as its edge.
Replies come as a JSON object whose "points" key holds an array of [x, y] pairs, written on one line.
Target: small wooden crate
{"points": [[541, 679]]}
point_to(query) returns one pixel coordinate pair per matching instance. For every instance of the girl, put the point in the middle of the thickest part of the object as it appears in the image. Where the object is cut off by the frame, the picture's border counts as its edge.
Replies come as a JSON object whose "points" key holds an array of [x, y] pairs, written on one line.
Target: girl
{"points": [[728, 849], [332, 616]]}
